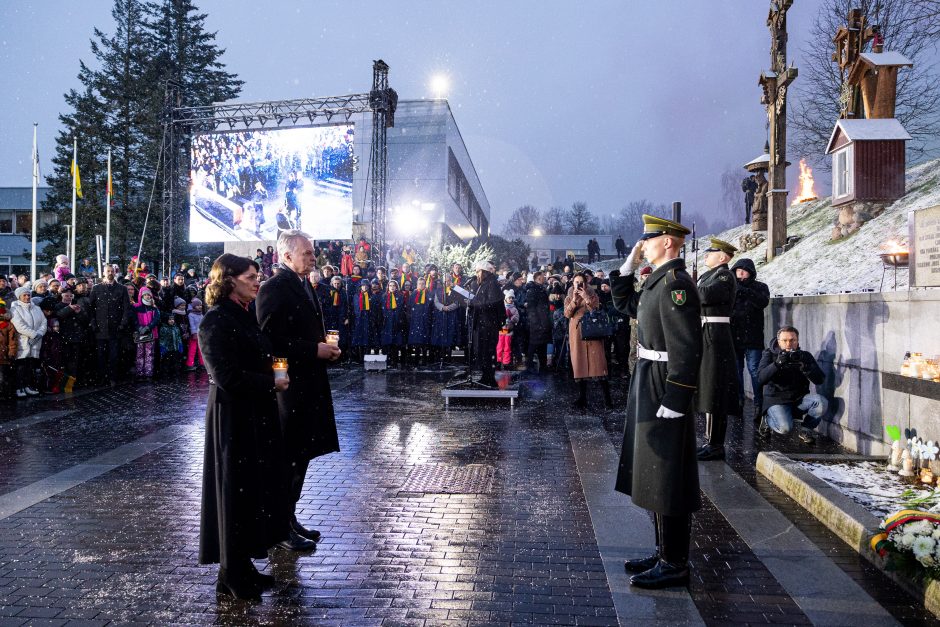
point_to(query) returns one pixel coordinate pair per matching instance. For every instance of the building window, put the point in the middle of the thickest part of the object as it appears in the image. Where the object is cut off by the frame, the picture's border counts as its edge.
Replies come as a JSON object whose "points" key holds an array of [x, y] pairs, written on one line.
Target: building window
{"points": [[6, 221], [24, 223], [842, 172]]}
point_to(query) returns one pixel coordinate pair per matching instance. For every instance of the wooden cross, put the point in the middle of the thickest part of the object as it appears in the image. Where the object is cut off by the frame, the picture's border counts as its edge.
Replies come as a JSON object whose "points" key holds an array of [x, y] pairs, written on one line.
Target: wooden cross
{"points": [[775, 84]]}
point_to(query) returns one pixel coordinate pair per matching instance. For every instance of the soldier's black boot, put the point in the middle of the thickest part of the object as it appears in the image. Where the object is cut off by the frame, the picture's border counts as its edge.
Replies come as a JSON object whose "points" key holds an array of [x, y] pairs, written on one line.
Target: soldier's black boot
{"points": [[717, 426], [672, 569], [643, 564]]}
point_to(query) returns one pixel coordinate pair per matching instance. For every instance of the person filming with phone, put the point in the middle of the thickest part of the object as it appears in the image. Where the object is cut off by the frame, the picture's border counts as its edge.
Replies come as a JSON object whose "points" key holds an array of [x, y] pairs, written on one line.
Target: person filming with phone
{"points": [[785, 373]]}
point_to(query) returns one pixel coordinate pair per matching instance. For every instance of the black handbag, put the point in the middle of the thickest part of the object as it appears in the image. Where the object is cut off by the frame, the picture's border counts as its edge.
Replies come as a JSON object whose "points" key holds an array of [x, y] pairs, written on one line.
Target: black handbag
{"points": [[596, 325]]}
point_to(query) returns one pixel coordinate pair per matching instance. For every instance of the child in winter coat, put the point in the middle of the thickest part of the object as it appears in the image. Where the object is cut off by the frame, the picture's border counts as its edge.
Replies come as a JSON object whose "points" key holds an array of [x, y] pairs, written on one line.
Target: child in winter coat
{"points": [[148, 324], [504, 343], [7, 351], [171, 346], [195, 319]]}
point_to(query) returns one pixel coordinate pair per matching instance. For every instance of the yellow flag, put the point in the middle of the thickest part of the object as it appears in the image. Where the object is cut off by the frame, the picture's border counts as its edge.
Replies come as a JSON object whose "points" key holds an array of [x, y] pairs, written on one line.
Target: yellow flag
{"points": [[78, 179]]}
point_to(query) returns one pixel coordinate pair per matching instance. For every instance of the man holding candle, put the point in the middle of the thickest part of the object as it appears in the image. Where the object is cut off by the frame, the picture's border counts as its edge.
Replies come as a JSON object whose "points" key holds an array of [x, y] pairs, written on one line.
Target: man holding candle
{"points": [[290, 314]]}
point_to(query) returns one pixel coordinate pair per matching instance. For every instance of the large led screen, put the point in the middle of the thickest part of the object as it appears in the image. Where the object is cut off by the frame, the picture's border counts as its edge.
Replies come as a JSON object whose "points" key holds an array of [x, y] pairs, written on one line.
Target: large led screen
{"points": [[251, 185]]}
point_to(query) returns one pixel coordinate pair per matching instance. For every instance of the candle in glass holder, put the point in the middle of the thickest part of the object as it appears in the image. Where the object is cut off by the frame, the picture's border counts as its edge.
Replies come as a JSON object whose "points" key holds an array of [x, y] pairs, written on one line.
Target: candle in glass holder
{"points": [[332, 337], [894, 460], [907, 464], [280, 368]]}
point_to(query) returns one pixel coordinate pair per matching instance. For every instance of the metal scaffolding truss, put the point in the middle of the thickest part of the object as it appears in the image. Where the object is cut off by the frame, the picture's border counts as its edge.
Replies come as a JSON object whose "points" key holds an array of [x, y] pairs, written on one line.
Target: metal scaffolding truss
{"points": [[260, 114], [183, 122]]}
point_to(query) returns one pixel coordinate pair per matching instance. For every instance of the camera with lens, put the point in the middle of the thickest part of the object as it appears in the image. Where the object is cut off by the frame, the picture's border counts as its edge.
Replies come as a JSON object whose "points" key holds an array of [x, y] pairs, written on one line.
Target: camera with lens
{"points": [[790, 358]]}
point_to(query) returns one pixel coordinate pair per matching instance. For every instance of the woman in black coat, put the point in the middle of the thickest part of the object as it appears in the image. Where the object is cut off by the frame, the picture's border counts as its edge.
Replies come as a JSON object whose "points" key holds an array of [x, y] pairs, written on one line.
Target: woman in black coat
{"points": [[245, 510]]}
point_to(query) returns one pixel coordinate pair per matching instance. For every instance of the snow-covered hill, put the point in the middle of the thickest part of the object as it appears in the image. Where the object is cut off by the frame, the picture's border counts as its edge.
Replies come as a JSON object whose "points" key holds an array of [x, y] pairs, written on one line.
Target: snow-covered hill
{"points": [[817, 265]]}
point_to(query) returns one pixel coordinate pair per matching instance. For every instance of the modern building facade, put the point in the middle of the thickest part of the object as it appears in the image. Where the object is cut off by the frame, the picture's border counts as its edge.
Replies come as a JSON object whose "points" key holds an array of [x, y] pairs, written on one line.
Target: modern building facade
{"points": [[16, 223]]}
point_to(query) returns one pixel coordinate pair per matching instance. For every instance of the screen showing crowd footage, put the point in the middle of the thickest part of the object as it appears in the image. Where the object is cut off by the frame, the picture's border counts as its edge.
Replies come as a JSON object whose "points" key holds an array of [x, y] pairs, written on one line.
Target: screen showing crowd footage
{"points": [[251, 185]]}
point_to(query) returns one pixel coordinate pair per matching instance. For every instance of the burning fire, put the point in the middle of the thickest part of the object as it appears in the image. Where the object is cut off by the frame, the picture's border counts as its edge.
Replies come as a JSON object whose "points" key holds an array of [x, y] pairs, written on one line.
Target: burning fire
{"points": [[893, 246], [806, 184]]}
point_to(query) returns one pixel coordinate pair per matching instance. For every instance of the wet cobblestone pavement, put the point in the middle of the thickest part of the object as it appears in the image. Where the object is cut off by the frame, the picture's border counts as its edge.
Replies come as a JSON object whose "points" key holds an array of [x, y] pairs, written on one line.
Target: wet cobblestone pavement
{"points": [[474, 515]]}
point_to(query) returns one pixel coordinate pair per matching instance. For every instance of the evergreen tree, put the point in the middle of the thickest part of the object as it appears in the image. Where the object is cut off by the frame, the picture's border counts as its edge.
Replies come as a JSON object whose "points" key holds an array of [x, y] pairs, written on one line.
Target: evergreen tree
{"points": [[122, 105], [185, 56]]}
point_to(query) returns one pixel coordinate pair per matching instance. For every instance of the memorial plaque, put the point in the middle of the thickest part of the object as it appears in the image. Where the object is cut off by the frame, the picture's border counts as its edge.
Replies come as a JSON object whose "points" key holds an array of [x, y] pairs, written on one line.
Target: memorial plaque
{"points": [[924, 225]]}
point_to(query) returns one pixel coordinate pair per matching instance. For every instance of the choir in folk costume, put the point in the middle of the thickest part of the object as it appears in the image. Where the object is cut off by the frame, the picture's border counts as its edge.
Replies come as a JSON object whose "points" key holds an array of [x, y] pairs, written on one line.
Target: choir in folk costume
{"points": [[362, 339], [376, 315], [394, 326], [419, 323], [336, 314], [445, 324]]}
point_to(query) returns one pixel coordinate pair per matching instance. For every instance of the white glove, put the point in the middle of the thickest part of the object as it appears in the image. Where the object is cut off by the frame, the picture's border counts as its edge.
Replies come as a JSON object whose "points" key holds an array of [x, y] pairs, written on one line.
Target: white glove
{"points": [[665, 412], [471, 296], [633, 259]]}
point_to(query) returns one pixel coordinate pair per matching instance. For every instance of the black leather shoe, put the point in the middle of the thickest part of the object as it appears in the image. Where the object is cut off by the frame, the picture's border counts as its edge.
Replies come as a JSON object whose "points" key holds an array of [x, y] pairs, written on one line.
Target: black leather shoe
{"points": [[241, 588], [662, 575], [296, 543], [764, 429], [303, 532], [709, 454], [640, 565], [262, 581]]}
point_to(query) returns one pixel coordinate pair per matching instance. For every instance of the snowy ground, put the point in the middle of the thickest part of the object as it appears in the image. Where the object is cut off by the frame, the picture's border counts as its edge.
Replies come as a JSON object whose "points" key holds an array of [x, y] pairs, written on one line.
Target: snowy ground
{"points": [[869, 484], [816, 265]]}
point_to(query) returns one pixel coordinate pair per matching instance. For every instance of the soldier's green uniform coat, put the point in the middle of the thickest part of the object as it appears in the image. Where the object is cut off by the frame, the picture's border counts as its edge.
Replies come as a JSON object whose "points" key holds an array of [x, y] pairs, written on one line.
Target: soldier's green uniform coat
{"points": [[718, 377], [658, 468]]}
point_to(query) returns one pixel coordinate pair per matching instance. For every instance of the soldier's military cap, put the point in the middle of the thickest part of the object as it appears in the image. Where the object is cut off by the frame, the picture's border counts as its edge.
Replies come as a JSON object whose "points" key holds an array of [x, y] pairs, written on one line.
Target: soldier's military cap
{"points": [[654, 226], [722, 246]]}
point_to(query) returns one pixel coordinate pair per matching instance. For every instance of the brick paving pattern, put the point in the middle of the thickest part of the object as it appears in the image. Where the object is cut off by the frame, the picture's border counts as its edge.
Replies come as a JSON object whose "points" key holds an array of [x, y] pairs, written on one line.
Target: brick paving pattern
{"points": [[471, 516]]}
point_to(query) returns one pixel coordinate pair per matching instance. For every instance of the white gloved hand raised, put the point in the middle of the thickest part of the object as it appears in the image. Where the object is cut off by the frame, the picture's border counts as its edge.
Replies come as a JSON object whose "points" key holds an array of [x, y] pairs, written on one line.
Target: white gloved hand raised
{"points": [[665, 412], [634, 259]]}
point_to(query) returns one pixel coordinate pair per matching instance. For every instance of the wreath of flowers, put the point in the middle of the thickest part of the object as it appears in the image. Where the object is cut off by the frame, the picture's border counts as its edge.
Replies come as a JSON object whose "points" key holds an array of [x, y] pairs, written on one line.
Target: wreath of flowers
{"points": [[910, 539]]}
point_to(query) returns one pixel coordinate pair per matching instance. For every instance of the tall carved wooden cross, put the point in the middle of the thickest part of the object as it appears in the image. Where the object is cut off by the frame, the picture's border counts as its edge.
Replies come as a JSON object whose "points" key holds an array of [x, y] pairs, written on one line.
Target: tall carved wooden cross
{"points": [[775, 84]]}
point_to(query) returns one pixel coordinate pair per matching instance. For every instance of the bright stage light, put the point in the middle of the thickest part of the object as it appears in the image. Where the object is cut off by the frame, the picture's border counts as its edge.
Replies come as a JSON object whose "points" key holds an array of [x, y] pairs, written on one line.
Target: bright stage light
{"points": [[439, 85]]}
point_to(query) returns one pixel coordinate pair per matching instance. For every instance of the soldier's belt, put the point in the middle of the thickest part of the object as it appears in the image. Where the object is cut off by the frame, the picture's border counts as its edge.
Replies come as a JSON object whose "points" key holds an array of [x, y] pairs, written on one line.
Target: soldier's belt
{"points": [[645, 353], [721, 319]]}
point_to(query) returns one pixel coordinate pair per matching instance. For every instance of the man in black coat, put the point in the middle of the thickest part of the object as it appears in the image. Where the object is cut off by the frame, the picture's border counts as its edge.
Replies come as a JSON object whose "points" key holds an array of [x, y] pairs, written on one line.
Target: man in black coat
{"points": [[109, 314], [539, 319], [657, 461], [717, 396], [488, 315], [785, 372], [747, 326], [621, 247], [290, 314]]}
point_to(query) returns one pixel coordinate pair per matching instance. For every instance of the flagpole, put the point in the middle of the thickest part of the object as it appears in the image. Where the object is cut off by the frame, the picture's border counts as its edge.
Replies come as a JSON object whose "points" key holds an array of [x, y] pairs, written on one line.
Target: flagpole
{"points": [[74, 201], [107, 223], [32, 263]]}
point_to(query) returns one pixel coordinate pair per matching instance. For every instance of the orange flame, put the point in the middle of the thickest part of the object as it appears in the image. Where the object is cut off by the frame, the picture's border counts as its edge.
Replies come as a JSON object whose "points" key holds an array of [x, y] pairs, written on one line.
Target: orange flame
{"points": [[806, 184], [893, 246]]}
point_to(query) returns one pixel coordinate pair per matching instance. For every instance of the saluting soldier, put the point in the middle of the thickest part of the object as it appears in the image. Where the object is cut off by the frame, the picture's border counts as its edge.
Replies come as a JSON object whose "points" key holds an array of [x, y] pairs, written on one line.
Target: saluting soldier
{"points": [[657, 461], [718, 378]]}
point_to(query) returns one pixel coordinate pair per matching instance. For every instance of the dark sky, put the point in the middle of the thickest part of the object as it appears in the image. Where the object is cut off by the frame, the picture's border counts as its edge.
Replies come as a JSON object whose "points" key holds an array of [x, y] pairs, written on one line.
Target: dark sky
{"points": [[602, 101]]}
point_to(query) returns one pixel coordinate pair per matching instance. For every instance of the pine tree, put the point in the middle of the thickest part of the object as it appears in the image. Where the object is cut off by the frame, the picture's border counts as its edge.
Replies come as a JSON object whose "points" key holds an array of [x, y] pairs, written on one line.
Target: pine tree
{"points": [[186, 56], [109, 111], [121, 106]]}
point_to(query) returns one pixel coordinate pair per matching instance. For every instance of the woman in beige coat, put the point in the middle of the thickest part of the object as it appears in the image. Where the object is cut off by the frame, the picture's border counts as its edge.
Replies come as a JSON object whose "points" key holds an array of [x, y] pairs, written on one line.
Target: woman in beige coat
{"points": [[588, 360]]}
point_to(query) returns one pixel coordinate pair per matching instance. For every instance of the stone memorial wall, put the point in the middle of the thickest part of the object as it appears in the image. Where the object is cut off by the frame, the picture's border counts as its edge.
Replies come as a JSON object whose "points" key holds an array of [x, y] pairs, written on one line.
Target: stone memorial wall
{"points": [[860, 341]]}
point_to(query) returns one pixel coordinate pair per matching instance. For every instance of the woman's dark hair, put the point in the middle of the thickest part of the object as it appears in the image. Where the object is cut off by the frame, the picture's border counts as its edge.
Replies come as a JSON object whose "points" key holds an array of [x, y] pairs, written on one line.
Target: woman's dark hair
{"points": [[222, 276]]}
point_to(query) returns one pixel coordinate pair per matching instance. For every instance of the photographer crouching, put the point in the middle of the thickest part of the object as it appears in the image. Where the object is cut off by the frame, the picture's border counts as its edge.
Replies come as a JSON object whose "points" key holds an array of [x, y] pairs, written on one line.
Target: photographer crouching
{"points": [[785, 373]]}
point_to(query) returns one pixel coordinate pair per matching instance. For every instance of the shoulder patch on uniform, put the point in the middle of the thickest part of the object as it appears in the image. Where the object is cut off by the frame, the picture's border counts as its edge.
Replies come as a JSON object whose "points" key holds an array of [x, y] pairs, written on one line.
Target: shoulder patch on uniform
{"points": [[678, 297], [722, 277]]}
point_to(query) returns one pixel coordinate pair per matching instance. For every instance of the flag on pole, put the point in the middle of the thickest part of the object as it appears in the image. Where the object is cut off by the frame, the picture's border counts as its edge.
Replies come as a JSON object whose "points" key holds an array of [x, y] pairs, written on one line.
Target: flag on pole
{"points": [[110, 189], [78, 179]]}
